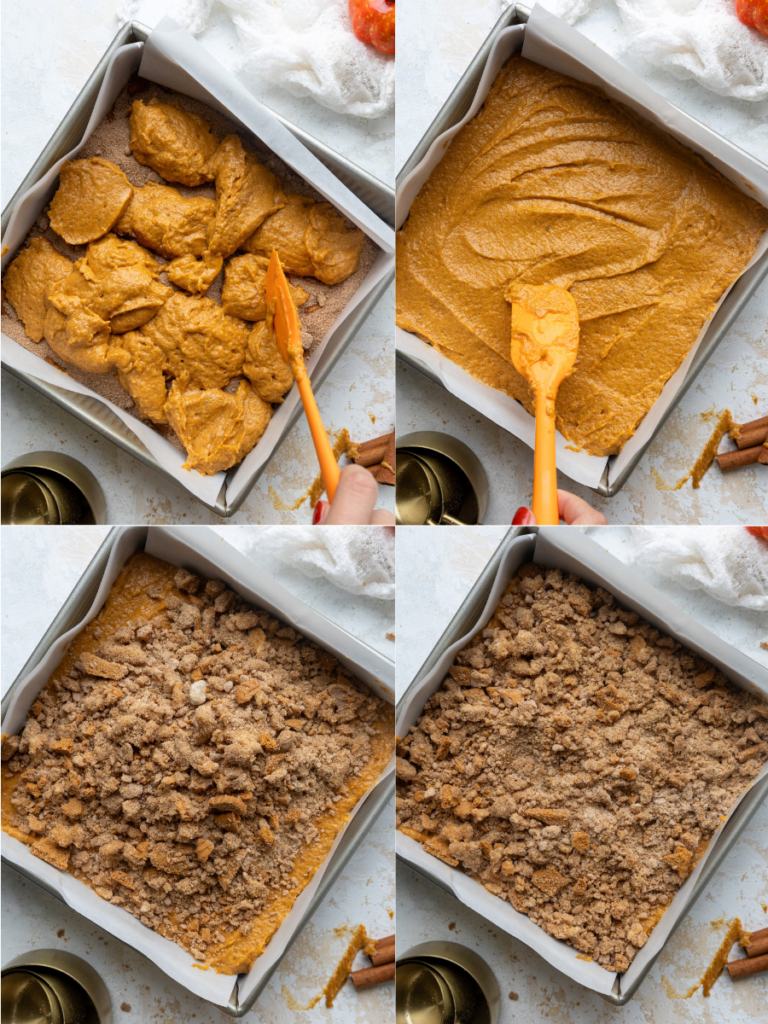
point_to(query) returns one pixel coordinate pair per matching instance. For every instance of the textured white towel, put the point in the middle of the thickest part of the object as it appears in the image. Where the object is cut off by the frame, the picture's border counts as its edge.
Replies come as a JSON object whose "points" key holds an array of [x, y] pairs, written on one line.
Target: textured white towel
{"points": [[729, 563], [305, 46], [359, 559], [700, 39]]}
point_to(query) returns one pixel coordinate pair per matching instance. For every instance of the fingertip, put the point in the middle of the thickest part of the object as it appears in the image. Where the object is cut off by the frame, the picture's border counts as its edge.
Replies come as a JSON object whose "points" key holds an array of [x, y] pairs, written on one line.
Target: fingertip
{"points": [[380, 517], [358, 481]]}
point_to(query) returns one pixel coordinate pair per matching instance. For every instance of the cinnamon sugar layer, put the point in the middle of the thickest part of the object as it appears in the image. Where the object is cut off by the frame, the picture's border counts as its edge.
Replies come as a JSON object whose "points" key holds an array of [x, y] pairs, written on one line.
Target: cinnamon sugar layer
{"points": [[576, 762]]}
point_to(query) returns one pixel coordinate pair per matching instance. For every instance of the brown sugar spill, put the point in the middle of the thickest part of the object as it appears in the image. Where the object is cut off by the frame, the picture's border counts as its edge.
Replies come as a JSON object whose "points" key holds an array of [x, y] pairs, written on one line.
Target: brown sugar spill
{"points": [[322, 304], [576, 761], [192, 760]]}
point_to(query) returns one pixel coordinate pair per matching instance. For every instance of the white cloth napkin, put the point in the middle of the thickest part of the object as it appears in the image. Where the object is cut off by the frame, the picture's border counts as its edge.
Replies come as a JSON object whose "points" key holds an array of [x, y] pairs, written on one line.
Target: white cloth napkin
{"points": [[358, 559], [729, 563], [305, 46], [699, 39]]}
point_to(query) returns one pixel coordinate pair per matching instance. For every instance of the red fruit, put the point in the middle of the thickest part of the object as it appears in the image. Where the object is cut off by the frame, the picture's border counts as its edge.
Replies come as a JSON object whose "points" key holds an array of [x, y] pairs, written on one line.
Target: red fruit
{"points": [[753, 13], [373, 21], [759, 531]]}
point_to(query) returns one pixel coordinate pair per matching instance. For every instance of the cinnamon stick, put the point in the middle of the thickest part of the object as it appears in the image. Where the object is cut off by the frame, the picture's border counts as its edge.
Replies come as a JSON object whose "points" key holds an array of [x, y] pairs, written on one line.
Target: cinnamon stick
{"points": [[386, 474], [757, 947], [747, 965], [748, 438], [754, 424], [371, 452], [742, 457], [758, 943], [385, 951], [375, 975]]}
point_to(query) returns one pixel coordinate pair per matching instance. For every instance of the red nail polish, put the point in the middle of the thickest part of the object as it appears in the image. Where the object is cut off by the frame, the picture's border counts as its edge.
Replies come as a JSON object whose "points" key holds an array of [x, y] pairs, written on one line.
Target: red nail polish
{"points": [[523, 517], [321, 509]]}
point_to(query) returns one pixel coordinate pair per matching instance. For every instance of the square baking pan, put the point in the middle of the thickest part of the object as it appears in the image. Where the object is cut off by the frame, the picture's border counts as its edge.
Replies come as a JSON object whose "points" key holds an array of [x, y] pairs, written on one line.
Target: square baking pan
{"points": [[453, 111], [199, 549], [572, 551], [380, 198]]}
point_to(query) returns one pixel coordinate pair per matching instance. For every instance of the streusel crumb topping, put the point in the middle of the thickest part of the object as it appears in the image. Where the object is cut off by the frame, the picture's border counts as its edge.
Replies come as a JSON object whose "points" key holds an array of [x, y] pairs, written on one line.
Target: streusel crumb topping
{"points": [[576, 761], [194, 764]]}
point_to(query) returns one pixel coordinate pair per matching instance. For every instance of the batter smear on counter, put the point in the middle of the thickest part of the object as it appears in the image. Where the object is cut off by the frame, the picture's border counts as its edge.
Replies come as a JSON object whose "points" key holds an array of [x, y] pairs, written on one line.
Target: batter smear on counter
{"points": [[552, 183], [192, 760], [577, 762]]}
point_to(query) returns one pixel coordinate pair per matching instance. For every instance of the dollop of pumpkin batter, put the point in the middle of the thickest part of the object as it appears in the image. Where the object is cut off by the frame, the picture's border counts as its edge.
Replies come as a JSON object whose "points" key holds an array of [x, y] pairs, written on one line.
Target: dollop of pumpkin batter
{"points": [[284, 231], [216, 428], [160, 218], [247, 192], [140, 369], [27, 280], [112, 289], [193, 275], [91, 197], [333, 247], [172, 141], [244, 291], [554, 183], [264, 365], [311, 239], [201, 343]]}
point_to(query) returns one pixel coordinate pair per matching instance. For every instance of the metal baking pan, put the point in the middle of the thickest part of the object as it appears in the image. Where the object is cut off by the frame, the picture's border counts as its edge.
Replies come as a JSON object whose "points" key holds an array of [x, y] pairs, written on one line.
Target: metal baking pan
{"points": [[201, 540], [452, 111], [374, 193], [562, 548]]}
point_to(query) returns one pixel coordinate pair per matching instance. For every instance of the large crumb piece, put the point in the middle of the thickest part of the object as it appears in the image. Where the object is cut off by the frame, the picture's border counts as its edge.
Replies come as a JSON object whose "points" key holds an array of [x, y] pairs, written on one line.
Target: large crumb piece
{"points": [[577, 762], [192, 760]]}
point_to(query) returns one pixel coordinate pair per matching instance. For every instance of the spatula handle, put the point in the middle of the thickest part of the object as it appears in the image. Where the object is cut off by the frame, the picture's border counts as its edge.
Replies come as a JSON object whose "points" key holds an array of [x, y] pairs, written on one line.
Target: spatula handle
{"points": [[544, 468], [328, 465]]}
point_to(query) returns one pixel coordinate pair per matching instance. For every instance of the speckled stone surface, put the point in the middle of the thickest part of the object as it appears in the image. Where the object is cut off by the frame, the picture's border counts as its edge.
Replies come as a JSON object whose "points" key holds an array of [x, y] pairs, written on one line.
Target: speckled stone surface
{"points": [[437, 40], [445, 565], [40, 567], [50, 49]]}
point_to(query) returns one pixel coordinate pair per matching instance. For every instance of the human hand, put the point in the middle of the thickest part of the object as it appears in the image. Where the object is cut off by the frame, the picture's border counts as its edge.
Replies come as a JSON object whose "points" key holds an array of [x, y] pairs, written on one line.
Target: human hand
{"points": [[575, 511], [354, 502]]}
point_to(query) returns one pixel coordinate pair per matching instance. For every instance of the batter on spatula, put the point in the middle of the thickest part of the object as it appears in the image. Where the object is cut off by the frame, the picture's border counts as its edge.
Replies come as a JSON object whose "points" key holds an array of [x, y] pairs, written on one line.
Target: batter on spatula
{"points": [[543, 348]]}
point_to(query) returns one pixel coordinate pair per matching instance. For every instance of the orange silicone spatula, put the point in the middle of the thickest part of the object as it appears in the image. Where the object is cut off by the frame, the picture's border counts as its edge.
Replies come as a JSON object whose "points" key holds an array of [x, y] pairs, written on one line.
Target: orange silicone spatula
{"points": [[287, 330], [545, 341]]}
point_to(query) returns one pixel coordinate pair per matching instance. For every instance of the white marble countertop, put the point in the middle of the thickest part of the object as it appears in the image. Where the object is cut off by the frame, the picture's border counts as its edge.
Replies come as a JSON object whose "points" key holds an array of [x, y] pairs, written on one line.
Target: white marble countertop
{"points": [[50, 48], [40, 567], [437, 40], [445, 564]]}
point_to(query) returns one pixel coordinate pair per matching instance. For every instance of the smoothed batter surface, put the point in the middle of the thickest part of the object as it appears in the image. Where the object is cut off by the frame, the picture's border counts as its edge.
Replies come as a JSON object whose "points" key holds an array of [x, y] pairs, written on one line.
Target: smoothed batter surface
{"points": [[553, 183], [193, 759]]}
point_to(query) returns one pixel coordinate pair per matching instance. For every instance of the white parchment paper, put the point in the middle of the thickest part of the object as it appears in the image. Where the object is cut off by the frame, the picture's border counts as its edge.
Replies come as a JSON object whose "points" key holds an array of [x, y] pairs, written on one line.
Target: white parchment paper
{"points": [[173, 58], [573, 552], [548, 41], [199, 550]]}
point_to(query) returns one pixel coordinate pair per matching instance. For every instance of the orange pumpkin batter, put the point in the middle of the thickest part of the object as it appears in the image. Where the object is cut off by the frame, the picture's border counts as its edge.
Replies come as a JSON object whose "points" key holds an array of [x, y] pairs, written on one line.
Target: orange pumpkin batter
{"points": [[554, 183]]}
